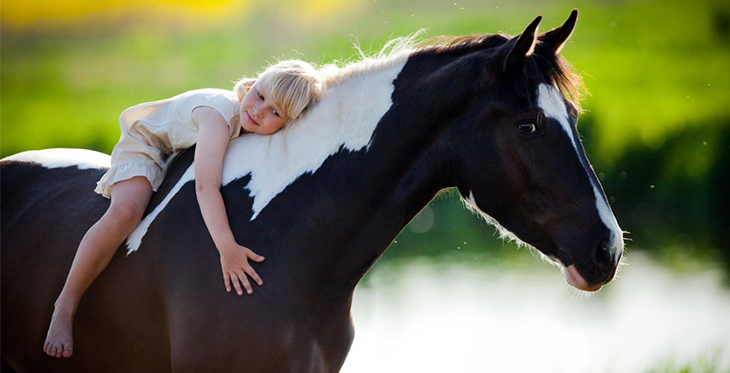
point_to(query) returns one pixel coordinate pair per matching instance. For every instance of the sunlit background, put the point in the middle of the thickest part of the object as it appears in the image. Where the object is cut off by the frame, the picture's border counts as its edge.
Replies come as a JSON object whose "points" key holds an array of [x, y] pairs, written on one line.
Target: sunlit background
{"points": [[447, 295]]}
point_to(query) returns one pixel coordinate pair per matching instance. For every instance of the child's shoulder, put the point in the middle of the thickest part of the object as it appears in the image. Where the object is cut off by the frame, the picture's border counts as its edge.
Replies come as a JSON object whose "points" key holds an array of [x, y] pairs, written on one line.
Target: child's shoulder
{"points": [[215, 97], [207, 93], [224, 101]]}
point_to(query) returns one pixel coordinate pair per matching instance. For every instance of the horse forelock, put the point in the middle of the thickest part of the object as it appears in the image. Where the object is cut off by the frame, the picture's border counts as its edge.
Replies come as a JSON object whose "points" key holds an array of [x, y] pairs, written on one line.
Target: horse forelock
{"points": [[545, 66]]}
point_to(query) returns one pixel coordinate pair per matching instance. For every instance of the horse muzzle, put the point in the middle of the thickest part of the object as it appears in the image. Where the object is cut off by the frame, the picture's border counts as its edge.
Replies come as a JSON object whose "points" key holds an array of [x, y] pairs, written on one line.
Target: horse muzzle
{"points": [[598, 270], [574, 279]]}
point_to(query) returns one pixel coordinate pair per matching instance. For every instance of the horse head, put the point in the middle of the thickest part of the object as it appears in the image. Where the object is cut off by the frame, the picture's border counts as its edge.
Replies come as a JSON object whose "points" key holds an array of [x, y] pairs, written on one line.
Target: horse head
{"points": [[523, 166]]}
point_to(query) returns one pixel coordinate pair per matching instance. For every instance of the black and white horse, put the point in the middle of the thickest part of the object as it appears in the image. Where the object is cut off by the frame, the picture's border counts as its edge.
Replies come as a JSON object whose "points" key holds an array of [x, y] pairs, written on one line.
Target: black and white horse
{"points": [[322, 200]]}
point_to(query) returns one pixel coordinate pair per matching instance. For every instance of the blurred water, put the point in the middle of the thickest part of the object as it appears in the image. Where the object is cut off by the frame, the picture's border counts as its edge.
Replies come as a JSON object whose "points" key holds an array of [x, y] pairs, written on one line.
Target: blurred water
{"points": [[422, 316]]}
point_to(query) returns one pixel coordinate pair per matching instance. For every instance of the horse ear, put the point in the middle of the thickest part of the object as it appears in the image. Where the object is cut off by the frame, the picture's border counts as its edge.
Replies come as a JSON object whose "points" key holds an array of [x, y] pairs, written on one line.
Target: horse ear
{"points": [[557, 37], [524, 46]]}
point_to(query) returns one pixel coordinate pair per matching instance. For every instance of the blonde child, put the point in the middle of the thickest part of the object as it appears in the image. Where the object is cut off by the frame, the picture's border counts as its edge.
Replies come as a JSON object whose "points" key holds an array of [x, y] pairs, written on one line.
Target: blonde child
{"points": [[154, 130]]}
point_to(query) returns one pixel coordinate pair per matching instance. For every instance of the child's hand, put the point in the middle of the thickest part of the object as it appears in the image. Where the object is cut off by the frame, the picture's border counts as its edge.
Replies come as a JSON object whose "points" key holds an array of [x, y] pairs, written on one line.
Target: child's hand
{"points": [[234, 261]]}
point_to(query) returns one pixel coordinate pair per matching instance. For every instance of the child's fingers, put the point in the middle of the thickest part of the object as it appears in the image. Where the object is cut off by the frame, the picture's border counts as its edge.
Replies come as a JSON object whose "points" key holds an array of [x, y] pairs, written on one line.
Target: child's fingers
{"points": [[244, 281], [236, 284], [227, 281], [255, 276], [253, 256]]}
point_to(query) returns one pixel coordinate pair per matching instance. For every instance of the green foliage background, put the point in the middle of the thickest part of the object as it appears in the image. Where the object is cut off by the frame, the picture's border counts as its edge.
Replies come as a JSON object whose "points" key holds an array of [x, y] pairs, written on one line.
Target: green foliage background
{"points": [[657, 125]]}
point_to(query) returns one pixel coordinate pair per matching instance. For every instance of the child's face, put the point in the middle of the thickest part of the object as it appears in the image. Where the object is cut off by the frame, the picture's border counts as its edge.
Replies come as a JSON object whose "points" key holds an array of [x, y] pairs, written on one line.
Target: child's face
{"points": [[259, 113]]}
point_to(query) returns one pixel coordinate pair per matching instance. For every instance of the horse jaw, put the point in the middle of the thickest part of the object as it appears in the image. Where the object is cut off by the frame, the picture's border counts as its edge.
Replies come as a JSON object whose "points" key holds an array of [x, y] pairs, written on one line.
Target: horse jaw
{"points": [[570, 272]]}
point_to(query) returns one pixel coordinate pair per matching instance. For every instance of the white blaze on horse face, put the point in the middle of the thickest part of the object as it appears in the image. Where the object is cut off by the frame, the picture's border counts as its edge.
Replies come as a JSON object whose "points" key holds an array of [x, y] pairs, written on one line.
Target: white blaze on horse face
{"points": [[59, 158], [551, 101], [345, 118]]}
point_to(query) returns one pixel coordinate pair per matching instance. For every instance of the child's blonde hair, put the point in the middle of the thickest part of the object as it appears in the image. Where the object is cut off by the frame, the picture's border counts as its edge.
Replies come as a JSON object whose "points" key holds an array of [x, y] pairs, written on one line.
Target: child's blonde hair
{"points": [[294, 85]]}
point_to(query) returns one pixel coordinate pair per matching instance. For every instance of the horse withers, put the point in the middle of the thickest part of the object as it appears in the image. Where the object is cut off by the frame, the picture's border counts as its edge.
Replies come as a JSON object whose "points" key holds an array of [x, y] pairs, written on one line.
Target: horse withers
{"points": [[492, 115]]}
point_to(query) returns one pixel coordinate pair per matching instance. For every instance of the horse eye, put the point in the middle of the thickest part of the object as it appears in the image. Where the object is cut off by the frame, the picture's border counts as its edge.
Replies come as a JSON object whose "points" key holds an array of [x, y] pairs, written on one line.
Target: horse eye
{"points": [[527, 127]]}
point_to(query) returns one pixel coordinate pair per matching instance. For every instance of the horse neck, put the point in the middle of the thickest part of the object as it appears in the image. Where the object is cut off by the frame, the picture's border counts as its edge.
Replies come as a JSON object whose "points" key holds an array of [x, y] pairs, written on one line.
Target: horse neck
{"points": [[366, 149], [406, 165], [416, 185], [384, 95]]}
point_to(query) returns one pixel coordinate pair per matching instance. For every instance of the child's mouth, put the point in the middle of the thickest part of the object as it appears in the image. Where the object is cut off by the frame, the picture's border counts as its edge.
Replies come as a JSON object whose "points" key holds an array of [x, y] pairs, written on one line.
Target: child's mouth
{"points": [[250, 120]]}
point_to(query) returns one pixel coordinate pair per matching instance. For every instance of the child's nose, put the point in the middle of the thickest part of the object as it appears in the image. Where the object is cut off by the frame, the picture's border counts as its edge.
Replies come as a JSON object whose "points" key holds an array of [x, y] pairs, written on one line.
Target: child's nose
{"points": [[257, 111]]}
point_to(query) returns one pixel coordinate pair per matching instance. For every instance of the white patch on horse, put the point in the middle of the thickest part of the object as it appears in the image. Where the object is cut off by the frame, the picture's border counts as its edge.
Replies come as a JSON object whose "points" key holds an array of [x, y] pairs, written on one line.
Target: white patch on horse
{"points": [[345, 117], [58, 158], [135, 238], [552, 104]]}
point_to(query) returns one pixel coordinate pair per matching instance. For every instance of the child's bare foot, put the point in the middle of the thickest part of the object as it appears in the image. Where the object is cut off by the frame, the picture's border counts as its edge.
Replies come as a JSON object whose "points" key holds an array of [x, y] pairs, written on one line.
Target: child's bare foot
{"points": [[59, 340]]}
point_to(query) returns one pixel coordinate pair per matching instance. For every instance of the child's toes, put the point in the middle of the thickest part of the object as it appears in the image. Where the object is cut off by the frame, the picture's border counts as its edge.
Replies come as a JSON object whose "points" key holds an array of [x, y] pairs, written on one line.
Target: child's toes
{"points": [[68, 351]]}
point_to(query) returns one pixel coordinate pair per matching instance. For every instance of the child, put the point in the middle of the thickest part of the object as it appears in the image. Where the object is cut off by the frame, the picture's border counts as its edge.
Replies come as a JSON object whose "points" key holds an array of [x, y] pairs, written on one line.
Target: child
{"points": [[154, 130]]}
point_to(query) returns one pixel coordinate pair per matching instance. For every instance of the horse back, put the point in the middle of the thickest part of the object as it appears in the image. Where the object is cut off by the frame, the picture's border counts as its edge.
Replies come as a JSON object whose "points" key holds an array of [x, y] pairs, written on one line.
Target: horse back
{"points": [[45, 213], [163, 305]]}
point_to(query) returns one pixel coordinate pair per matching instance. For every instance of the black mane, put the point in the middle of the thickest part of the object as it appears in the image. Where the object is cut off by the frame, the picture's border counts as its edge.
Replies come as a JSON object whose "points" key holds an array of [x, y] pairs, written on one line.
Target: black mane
{"points": [[542, 66]]}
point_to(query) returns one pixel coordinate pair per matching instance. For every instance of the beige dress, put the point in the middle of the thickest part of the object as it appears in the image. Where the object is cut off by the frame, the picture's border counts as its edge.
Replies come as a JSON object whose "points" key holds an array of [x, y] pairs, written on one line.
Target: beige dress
{"points": [[152, 131]]}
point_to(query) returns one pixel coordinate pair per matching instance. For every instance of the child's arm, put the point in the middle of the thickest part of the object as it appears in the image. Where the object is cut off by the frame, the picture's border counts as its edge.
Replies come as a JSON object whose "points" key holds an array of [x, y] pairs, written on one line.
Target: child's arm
{"points": [[214, 135]]}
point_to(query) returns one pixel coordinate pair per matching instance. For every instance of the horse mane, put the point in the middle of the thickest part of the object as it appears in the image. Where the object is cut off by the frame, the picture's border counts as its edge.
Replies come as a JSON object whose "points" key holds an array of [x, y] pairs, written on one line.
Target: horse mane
{"points": [[542, 66], [394, 52], [463, 44]]}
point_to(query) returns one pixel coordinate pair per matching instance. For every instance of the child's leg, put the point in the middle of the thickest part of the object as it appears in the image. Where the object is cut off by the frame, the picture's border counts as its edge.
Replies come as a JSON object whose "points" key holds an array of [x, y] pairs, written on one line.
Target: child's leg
{"points": [[129, 199]]}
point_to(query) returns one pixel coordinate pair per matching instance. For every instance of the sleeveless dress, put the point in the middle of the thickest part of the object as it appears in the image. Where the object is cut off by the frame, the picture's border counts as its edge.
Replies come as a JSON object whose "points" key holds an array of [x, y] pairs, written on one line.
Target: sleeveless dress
{"points": [[152, 131]]}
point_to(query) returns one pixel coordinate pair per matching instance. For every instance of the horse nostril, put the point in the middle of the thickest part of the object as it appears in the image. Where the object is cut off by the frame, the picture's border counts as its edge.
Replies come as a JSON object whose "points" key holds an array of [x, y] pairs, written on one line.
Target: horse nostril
{"points": [[602, 258]]}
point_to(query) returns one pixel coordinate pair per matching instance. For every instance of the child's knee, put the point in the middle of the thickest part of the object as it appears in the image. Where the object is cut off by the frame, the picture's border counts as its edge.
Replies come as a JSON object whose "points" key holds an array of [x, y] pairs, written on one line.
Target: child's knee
{"points": [[126, 214]]}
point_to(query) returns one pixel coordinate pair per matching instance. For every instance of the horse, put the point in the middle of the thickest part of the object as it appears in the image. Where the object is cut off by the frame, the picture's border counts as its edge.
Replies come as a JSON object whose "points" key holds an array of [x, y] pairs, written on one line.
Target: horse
{"points": [[491, 115]]}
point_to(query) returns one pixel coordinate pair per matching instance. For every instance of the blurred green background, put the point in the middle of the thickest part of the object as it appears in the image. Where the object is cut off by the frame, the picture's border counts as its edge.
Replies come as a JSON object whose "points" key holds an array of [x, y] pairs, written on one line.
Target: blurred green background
{"points": [[656, 127]]}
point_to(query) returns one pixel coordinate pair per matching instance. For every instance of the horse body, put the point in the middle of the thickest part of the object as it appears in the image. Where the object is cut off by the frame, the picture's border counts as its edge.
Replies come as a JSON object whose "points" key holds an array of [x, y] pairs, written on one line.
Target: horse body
{"points": [[162, 308], [325, 199]]}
